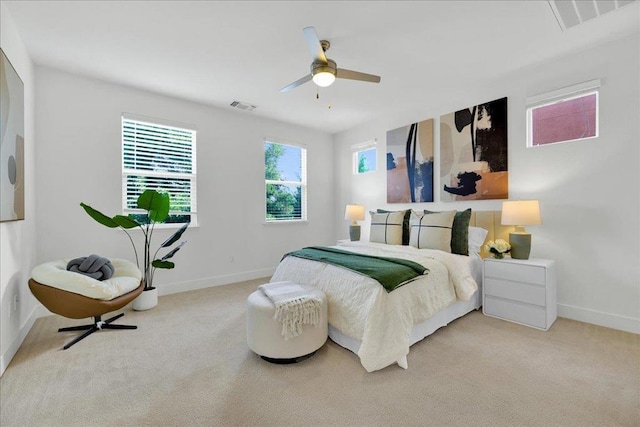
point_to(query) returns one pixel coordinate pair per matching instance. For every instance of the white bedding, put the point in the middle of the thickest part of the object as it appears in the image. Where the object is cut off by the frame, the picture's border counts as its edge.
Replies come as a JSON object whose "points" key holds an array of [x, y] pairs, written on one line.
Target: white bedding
{"points": [[360, 308]]}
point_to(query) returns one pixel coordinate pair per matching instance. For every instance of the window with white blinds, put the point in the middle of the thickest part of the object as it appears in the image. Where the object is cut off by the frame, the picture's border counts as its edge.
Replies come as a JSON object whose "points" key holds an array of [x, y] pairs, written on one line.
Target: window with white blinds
{"points": [[163, 158]]}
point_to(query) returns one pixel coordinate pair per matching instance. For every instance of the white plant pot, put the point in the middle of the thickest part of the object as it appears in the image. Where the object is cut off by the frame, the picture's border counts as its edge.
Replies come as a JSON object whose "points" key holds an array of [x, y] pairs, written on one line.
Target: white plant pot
{"points": [[146, 300]]}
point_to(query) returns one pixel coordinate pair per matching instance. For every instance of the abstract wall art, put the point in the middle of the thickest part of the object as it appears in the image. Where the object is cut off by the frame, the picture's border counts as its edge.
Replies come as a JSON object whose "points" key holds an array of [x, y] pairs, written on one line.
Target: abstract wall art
{"points": [[410, 163], [473, 153], [11, 142]]}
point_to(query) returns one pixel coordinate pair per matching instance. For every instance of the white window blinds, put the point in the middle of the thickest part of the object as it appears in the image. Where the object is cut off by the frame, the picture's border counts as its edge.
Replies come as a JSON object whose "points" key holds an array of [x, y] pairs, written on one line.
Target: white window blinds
{"points": [[163, 158]]}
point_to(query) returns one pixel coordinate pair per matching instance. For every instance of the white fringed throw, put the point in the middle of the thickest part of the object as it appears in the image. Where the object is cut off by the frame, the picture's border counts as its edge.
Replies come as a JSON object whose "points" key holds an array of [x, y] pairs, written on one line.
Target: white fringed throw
{"points": [[295, 306]]}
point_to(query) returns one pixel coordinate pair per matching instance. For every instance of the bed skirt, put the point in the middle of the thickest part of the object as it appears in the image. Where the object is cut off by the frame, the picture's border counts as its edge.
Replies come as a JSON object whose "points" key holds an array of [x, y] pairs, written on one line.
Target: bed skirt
{"points": [[421, 330]]}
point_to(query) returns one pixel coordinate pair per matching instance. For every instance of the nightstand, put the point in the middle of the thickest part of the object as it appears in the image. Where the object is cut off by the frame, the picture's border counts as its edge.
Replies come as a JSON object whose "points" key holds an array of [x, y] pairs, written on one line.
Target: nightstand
{"points": [[521, 291]]}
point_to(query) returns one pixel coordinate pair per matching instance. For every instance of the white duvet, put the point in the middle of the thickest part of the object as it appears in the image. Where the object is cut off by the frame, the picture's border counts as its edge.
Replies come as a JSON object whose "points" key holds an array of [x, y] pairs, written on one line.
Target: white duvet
{"points": [[362, 309]]}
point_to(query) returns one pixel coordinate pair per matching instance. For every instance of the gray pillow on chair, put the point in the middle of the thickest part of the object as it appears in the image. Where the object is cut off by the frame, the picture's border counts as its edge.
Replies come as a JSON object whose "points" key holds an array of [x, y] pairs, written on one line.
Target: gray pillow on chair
{"points": [[94, 266]]}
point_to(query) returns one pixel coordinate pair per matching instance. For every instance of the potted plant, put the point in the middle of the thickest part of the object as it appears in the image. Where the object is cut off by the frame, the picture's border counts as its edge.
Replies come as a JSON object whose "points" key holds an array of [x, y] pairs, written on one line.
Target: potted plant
{"points": [[156, 205]]}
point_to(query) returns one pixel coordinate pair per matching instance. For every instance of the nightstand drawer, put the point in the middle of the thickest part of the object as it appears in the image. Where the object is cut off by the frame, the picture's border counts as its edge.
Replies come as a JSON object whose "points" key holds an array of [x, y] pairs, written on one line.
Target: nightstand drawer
{"points": [[521, 313], [522, 292], [515, 272]]}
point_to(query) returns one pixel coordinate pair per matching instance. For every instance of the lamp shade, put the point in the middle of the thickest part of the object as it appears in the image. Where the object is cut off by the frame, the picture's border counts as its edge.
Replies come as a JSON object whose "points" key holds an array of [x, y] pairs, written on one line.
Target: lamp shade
{"points": [[521, 212], [354, 213]]}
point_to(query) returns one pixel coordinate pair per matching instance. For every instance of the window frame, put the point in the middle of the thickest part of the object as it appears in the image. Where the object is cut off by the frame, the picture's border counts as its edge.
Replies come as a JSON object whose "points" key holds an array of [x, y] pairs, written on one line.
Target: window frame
{"points": [[562, 95], [360, 148], [302, 183], [127, 118]]}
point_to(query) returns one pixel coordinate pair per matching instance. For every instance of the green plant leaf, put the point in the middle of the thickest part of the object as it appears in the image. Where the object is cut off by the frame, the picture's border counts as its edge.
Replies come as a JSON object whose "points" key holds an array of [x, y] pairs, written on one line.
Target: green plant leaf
{"points": [[171, 240], [125, 221], [99, 216], [163, 264], [173, 251], [157, 204]]}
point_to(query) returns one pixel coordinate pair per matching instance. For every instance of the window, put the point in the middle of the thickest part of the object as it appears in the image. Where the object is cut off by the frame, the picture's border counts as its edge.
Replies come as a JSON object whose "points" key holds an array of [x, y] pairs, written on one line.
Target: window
{"points": [[364, 157], [163, 158], [285, 174], [568, 114]]}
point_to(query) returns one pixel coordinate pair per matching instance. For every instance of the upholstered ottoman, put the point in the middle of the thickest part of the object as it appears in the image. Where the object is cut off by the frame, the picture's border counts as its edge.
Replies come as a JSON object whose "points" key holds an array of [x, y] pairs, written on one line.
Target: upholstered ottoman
{"points": [[265, 334]]}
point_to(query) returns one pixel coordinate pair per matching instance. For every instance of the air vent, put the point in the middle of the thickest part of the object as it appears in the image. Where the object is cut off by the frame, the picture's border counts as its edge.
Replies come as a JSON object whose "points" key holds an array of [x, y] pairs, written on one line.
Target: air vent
{"points": [[242, 106], [570, 13]]}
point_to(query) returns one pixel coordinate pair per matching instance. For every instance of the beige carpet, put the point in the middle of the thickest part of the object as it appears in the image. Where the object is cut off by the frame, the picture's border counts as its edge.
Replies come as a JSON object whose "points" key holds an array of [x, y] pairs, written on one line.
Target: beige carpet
{"points": [[188, 365]]}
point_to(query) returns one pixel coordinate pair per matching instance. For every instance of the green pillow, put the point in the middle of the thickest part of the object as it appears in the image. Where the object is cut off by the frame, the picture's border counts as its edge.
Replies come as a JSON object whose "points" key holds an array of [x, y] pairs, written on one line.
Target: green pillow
{"points": [[406, 229], [460, 231]]}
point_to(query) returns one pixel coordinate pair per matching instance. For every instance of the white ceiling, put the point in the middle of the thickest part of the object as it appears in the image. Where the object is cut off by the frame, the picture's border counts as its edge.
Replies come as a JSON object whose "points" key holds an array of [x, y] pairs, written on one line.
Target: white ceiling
{"points": [[217, 52]]}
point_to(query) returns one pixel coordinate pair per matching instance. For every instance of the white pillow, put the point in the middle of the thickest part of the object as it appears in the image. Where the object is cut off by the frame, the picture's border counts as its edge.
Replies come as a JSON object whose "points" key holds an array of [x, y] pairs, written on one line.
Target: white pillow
{"points": [[126, 277], [476, 239], [431, 231], [386, 227]]}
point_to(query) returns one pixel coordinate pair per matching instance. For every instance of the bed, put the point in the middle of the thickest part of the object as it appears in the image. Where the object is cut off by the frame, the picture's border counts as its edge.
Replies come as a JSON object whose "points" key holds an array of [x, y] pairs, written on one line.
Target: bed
{"points": [[380, 326]]}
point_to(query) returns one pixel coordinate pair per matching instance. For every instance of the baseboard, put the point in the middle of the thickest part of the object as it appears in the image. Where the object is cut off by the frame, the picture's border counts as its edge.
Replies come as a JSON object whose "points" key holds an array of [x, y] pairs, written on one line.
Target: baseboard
{"points": [[209, 282], [7, 356], [614, 321]]}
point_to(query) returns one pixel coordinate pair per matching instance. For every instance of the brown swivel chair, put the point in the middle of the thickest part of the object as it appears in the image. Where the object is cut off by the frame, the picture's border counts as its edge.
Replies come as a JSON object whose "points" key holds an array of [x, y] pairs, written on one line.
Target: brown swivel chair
{"points": [[76, 306]]}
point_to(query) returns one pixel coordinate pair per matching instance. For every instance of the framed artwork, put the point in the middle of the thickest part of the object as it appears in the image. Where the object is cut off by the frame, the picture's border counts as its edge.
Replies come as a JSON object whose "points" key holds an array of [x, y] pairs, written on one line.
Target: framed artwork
{"points": [[11, 142], [473, 153], [410, 163]]}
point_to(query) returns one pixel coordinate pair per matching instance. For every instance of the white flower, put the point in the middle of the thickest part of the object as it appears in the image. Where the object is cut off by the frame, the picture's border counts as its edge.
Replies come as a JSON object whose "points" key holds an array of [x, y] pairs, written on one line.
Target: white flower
{"points": [[500, 246]]}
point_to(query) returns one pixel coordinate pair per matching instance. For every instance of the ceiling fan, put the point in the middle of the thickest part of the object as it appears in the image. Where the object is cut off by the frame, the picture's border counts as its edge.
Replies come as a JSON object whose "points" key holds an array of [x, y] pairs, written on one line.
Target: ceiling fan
{"points": [[324, 71]]}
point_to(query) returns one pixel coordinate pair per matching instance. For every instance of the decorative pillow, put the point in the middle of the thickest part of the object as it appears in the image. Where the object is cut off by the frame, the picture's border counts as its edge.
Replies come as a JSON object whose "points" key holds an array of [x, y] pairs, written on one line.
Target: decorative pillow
{"points": [[386, 227], [460, 232], [476, 239], [100, 268], [405, 224], [431, 231]]}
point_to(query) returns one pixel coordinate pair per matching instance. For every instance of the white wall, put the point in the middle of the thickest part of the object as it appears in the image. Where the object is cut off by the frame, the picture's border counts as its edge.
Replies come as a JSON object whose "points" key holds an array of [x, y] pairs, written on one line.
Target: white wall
{"points": [[79, 160], [17, 238], [589, 191]]}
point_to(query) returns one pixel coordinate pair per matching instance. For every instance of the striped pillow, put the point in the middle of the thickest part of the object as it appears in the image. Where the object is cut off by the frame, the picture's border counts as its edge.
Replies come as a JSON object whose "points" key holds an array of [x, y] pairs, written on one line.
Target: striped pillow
{"points": [[405, 224], [460, 232], [386, 227], [431, 231]]}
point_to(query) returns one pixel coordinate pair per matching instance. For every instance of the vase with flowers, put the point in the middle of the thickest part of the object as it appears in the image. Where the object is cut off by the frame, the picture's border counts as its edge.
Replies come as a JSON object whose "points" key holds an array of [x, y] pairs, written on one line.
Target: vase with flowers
{"points": [[498, 248]]}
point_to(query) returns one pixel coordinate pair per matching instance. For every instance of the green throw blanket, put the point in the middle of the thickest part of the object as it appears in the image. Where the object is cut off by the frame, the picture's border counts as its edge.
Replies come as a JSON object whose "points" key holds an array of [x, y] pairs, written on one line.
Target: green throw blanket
{"points": [[390, 272]]}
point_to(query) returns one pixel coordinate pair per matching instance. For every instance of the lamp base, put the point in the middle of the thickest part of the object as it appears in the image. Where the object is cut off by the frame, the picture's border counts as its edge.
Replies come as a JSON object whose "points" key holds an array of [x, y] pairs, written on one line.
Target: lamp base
{"points": [[520, 245], [354, 233]]}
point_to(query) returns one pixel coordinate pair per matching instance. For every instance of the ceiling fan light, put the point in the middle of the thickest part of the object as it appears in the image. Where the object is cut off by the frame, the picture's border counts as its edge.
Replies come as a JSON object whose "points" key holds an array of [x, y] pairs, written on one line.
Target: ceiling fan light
{"points": [[324, 78]]}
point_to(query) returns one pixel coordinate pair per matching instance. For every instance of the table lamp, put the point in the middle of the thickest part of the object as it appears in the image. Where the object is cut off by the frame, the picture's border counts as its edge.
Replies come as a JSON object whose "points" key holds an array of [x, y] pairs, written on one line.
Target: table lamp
{"points": [[354, 213], [520, 213]]}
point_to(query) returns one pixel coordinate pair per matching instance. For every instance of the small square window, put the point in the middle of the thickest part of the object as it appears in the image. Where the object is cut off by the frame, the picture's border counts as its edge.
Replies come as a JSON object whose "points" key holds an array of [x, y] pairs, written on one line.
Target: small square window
{"points": [[364, 160], [569, 117]]}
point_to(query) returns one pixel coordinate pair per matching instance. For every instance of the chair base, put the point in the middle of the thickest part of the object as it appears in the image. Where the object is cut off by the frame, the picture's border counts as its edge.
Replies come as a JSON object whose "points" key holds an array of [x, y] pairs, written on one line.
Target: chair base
{"points": [[97, 325], [288, 361]]}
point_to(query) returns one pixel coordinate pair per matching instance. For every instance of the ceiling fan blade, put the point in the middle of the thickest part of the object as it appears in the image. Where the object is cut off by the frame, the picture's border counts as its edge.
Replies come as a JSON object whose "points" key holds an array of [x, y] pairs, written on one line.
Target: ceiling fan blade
{"points": [[356, 75], [313, 42], [297, 83]]}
